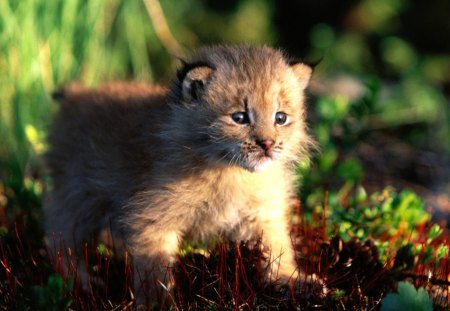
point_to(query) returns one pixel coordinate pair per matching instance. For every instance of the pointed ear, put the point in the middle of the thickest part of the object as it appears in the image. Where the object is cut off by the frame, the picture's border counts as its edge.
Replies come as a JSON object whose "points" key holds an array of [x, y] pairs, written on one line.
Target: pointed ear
{"points": [[195, 81], [303, 73]]}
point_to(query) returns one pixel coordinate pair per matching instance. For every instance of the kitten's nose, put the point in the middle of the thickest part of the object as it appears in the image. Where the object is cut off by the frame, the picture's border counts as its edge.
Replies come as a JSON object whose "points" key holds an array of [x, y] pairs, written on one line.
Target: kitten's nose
{"points": [[265, 143]]}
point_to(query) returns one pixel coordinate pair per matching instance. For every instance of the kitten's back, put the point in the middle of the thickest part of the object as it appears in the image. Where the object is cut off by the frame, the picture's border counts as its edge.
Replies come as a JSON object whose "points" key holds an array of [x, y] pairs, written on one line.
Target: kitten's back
{"points": [[97, 130]]}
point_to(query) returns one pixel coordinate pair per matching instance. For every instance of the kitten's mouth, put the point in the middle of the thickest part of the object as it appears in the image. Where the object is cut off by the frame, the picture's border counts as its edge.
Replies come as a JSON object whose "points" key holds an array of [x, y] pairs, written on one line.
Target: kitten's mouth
{"points": [[261, 163], [260, 160], [254, 161], [266, 154]]}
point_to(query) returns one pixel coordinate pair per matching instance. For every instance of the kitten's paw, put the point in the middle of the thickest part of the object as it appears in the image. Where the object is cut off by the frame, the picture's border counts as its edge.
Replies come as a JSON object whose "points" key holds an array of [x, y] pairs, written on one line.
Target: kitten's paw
{"points": [[311, 283], [302, 284]]}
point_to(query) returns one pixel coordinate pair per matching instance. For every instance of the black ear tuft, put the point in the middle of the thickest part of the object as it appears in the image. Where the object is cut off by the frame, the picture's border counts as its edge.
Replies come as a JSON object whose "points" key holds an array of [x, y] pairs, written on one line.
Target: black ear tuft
{"points": [[59, 95], [314, 63], [62, 94], [311, 63]]}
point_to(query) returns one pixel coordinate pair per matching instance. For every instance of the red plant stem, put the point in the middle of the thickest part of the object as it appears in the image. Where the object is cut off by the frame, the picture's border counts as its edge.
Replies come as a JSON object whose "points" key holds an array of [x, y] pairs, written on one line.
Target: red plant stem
{"points": [[236, 275], [86, 260], [222, 266], [292, 290], [129, 276], [298, 218], [324, 217], [108, 262], [5, 263], [244, 273]]}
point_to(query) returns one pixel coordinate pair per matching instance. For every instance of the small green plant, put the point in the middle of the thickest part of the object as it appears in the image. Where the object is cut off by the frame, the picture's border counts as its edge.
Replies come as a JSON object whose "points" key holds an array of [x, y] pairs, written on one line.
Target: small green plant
{"points": [[384, 214], [332, 189], [407, 298], [52, 296]]}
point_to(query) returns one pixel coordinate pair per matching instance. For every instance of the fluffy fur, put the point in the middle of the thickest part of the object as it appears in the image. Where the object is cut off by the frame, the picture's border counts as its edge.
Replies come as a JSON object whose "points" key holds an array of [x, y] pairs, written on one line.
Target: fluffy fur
{"points": [[158, 166]]}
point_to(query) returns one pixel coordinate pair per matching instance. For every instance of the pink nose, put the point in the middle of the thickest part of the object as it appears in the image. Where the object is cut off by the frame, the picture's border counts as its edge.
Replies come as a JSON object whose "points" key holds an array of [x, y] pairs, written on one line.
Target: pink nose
{"points": [[265, 143]]}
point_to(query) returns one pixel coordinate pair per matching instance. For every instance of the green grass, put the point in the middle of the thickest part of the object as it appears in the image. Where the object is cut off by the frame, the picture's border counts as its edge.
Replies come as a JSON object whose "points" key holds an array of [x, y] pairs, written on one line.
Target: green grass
{"points": [[47, 43]]}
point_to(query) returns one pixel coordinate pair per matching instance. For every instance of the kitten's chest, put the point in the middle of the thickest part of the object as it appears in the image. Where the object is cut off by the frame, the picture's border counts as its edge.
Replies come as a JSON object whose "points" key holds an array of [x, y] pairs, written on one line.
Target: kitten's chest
{"points": [[221, 214], [233, 200]]}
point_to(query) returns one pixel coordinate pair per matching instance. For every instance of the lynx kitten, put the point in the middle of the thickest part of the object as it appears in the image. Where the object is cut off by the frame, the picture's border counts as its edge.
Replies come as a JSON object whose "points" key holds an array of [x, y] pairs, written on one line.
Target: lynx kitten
{"points": [[213, 154]]}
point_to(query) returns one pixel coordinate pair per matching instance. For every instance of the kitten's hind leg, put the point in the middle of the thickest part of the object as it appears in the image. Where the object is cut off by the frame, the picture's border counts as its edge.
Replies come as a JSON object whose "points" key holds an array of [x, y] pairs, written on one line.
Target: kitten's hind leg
{"points": [[69, 259], [67, 230]]}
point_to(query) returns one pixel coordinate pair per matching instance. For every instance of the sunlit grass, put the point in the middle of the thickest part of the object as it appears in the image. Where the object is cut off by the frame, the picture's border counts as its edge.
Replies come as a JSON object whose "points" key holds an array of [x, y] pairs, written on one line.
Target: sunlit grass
{"points": [[47, 43]]}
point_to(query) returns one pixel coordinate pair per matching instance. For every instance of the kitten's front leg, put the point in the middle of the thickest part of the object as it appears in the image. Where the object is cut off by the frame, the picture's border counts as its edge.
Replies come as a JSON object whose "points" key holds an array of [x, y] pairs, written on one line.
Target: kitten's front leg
{"points": [[153, 255], [275, 226]]}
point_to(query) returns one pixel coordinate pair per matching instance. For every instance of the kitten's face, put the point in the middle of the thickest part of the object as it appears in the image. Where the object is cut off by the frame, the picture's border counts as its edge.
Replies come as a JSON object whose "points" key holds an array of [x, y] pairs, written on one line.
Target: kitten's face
{"points": [[251, 115]]}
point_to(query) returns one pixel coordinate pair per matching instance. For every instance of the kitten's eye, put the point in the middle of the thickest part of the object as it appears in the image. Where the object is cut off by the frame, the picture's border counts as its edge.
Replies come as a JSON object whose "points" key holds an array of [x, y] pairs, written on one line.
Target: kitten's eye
{"points": [[280, 118], [240, 117]]}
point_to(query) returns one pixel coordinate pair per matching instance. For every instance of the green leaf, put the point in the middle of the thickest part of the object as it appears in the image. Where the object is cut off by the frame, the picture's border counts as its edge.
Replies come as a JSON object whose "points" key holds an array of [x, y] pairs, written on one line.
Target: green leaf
{"points": [[351, 170], [434, 232], [442, 251], [407, 298], [55, 286]]}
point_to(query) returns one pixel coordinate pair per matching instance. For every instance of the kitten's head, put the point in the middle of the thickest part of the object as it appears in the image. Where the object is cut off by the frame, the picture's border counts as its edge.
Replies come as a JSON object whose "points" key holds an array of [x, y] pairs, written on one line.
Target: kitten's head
{"points": [[242, 106]]}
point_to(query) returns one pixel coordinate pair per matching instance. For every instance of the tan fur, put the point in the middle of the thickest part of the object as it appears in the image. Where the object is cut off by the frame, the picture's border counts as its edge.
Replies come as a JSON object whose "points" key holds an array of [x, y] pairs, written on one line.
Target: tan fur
{"points": [[159, 166]]}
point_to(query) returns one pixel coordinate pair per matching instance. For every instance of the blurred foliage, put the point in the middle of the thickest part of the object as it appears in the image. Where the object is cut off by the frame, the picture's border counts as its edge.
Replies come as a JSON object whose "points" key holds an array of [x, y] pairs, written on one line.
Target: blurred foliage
{"points": [[47, 43], [331, 184]]}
